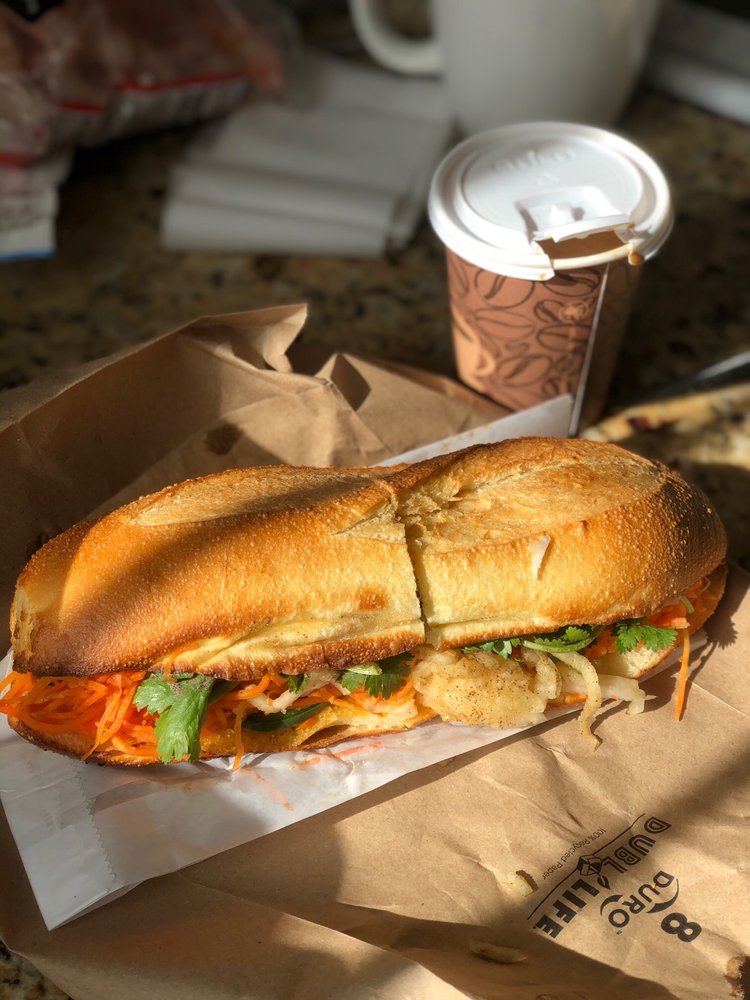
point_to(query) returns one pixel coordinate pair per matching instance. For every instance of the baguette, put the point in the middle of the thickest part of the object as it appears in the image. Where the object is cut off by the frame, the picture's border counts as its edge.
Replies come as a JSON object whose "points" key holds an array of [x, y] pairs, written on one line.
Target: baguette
{"points": [[231, 575], [293, 608], [532, 534]]}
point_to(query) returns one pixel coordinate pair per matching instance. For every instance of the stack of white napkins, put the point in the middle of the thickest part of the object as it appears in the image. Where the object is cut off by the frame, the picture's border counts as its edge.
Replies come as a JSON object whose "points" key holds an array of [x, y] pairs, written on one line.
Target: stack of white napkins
{"points": [[28, 206], [341, 167]]}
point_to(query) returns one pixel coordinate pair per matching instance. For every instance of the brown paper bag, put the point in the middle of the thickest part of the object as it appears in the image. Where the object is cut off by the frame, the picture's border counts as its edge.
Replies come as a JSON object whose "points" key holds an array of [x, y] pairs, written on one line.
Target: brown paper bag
{"points": [[638, 852], [215, 394]]}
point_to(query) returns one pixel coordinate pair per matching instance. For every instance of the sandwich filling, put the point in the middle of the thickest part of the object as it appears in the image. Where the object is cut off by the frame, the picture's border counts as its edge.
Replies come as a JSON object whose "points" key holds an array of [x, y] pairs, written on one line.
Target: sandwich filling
{"points": [[146, 717]]}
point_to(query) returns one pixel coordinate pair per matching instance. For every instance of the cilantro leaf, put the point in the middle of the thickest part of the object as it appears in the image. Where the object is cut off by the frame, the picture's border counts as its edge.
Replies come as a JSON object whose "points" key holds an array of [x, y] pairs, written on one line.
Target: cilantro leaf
{"points": [[354, 678], [387, 684], [571, 638], [383, 682], [275, 721], [181, 707], [568, 639], [295, 682], [503, 647], [628, 634], [155, 694], [351, 680]]}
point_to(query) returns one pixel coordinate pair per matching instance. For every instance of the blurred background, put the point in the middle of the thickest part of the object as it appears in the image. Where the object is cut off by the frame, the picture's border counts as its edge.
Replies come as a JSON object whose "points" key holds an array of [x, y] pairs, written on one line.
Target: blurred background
{"points": [[111, 280]]}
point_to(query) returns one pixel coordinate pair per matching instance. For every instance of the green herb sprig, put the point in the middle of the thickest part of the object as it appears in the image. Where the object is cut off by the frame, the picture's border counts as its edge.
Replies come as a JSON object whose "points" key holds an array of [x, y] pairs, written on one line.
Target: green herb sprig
{"points": [[568, 639], [380, 680], [181, 708], [628, 634], [295, 682]]}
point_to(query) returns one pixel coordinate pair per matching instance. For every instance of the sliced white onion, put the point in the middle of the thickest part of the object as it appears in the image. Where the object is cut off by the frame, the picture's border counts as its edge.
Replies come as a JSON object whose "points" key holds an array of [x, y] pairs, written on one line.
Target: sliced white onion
{"points": [[315, 679], [263, 703], [590, 678], [613, 687], [624, 689], [548, 682]]}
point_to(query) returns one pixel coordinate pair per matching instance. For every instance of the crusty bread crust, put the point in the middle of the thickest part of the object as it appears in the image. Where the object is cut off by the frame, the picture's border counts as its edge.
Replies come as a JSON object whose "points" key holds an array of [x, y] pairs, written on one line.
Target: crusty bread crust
{"points": [[532, 534], [279, 568], [231, 575]]}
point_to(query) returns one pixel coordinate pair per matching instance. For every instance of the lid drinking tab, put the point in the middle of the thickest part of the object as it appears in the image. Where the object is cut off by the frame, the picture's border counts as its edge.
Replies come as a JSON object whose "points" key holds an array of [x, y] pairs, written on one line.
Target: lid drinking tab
{"points": [[570, 214]]}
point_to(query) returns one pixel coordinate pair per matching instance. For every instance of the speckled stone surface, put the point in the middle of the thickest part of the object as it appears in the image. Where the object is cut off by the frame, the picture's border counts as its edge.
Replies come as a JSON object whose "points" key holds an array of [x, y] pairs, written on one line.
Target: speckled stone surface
{"points": [[19, 980], [111, 284]]}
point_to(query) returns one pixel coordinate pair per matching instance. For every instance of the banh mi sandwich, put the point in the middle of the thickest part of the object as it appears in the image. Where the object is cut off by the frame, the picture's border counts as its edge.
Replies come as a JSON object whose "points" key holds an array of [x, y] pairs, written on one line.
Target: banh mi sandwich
{"points": [[282, 608]]}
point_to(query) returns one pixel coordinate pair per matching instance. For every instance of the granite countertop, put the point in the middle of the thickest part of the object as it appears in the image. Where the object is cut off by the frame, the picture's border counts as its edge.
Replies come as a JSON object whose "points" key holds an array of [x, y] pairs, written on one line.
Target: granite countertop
{"points": [[111, 285]]}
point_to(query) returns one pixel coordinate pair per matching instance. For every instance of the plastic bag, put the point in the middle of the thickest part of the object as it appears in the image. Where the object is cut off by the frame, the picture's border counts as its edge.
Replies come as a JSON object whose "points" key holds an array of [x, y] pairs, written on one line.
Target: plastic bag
{"points": [[87, 71]]}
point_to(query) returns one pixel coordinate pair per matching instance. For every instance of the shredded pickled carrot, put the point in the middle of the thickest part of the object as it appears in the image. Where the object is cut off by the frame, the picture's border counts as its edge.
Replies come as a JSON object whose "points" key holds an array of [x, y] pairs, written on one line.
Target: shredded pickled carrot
{"points": [[95, 707], [134, 750], [110, 707], [118, 717], [683, 676], [100, 708], [605, 643], [239, 745], [672, 617], [370, 703], [18, 684], [242, 694], [135, 733]]}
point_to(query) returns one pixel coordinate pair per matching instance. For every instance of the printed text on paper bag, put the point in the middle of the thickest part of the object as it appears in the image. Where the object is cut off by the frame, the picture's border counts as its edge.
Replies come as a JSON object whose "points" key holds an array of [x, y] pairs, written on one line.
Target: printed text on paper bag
{"points": [[618, 883]]}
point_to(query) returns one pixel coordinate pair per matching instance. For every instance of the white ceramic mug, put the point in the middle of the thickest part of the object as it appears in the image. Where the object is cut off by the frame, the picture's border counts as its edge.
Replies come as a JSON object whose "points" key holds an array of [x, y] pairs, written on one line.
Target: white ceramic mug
{"points": [[507, 61]]}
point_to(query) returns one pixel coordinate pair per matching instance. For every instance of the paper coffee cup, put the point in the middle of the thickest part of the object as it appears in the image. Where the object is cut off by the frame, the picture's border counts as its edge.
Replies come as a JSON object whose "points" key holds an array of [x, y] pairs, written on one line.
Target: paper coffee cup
{"points": [[545, 226]]}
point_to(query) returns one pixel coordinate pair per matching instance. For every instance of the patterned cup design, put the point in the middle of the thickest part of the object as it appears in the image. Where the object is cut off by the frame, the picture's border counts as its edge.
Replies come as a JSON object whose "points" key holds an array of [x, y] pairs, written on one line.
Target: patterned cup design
{"points": [[523, 342]]}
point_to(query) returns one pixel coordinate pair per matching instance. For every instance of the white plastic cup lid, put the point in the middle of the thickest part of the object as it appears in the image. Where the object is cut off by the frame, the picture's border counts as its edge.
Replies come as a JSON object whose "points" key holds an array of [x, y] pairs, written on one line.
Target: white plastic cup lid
{"points": [[498, 196]]}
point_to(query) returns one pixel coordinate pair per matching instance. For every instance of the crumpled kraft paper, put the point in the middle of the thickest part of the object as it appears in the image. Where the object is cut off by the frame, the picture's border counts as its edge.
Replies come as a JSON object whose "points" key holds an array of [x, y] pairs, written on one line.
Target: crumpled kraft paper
{"points": [[638, 852], [220, 392], [84, 834]]}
